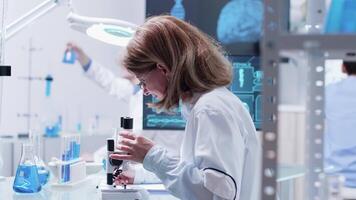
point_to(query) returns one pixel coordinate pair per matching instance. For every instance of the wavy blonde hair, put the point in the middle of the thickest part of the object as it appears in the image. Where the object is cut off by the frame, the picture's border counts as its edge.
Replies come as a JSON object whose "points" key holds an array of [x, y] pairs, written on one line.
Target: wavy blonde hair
{"points": [[196, 62]]}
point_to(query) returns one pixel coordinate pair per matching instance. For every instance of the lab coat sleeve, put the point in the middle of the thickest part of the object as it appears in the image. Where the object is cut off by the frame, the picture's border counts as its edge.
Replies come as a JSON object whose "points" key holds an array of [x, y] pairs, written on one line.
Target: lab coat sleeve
{"points": [[119, 87], [208, 176], [143, 176]]}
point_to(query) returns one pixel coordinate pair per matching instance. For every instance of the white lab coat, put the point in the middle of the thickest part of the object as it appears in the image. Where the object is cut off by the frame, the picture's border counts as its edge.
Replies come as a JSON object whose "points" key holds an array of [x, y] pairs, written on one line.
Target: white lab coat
{"points": [[340, 145], [220, 154], [124, 90]]}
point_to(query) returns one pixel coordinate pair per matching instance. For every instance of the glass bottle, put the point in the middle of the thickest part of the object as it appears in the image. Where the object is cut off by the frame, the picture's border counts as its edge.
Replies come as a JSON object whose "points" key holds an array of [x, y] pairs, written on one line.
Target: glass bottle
{"points": [[27, 179]]}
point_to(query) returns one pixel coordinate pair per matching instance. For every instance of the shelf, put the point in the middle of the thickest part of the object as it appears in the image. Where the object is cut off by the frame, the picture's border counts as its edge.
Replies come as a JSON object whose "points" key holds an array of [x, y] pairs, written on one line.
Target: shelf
{"points": [[341, 43]]}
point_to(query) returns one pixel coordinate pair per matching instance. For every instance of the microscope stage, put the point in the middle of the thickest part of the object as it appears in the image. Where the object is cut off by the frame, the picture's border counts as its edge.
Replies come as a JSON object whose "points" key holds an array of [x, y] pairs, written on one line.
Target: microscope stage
{"points": [[109, 192]]}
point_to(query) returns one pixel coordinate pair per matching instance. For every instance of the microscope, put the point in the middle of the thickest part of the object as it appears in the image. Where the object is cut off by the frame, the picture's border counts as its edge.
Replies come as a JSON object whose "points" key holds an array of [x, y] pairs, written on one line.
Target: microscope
{"points": [[114, 168]]}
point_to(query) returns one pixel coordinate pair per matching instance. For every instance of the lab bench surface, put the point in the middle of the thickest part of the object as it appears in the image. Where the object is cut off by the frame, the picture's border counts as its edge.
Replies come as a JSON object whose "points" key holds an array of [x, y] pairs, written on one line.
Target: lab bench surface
{"points": [[286, 177], [85, 190]]}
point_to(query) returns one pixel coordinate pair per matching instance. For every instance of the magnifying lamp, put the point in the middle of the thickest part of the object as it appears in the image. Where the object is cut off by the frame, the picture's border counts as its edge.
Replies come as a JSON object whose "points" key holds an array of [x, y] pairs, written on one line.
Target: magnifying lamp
{"points": [[111, 31]]}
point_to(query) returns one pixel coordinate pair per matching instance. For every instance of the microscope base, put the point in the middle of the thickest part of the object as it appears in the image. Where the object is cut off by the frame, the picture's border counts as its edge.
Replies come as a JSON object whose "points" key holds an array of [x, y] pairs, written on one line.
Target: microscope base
{"points": [[109, 192]]}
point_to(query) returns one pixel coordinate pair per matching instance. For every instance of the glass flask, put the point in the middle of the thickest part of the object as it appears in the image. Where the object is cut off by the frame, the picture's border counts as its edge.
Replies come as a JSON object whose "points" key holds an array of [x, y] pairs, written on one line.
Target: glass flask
{"points": [[27, 179], [69, 56], [42, 169]]}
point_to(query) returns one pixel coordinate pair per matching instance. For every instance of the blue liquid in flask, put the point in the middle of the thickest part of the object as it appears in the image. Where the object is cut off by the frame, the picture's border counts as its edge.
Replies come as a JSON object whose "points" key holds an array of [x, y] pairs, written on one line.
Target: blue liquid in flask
{"points": [[27, 179], [69, 56]]}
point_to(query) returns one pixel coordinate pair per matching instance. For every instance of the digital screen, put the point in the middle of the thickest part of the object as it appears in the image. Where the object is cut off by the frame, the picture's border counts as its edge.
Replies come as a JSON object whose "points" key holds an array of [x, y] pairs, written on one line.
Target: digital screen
{"points": [[154, 120], [247, 84], [236, 24]]}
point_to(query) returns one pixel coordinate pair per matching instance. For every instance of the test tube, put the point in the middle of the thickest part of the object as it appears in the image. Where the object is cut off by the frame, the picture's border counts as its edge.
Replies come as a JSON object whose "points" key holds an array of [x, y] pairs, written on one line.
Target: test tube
{"points": [[78, 146], [67, 148], [69, 158], [63, 156], [72, 148], [75, 147]]}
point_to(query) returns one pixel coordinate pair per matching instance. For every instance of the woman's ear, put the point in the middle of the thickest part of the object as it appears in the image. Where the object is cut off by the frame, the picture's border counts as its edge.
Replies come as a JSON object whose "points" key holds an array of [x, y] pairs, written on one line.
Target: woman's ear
{"points": [[163, 69]]}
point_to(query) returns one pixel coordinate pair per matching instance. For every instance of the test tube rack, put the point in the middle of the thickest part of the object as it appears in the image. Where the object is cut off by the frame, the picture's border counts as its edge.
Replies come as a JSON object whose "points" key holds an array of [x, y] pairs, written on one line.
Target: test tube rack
{"points": [[70, 168]]}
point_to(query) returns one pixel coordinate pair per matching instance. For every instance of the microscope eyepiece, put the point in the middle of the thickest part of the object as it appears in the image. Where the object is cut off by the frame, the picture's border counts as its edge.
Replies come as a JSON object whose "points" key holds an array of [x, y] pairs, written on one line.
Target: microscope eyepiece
{"points": [[127, 122]]}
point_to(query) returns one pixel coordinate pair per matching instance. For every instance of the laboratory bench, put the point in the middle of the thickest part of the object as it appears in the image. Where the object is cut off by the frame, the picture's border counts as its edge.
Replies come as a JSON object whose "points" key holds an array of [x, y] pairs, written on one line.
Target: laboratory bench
{"points": [[87, 189], [84, 190], [288, 175]]}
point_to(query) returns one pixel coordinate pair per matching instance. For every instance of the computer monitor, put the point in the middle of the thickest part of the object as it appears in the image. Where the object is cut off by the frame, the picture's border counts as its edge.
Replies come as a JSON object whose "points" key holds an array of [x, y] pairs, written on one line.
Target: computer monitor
{"points": [[246, 84], [163, 121]]}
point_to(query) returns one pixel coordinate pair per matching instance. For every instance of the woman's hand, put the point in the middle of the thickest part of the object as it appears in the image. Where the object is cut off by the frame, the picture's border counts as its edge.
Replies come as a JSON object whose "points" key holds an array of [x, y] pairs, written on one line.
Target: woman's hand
{"points": [[136, 147], [126, 177], [82, 57]]}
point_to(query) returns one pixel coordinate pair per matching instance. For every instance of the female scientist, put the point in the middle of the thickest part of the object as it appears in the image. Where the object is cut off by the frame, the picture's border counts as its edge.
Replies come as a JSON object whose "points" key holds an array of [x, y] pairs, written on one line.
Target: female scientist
{"points": [[177, 63]]}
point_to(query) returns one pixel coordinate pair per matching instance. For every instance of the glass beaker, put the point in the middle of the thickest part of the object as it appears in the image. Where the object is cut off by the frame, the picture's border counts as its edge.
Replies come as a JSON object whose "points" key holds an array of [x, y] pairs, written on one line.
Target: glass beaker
{"points": [[43, 171], [27, 179]]}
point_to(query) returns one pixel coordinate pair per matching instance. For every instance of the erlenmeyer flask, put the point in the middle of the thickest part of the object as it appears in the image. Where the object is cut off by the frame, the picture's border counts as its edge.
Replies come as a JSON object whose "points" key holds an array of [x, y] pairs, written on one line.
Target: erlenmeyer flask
{"points": [[27, 179], [43, 171]]}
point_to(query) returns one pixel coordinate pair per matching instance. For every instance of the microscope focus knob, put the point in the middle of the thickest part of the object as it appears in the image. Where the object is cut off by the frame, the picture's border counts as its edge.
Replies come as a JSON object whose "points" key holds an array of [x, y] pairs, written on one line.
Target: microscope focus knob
{"points": [[115, 162]]}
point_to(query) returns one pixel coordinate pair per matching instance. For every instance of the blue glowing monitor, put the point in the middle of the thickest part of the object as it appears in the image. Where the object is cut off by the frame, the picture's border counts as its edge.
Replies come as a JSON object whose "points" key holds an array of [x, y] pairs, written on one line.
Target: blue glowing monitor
{"points": [[246, 84], [164, 121], [235, 24]]}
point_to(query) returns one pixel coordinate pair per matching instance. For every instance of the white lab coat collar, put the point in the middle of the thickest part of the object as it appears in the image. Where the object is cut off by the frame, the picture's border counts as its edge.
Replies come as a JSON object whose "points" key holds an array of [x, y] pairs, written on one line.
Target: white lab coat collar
{"points": [[188, 105]]}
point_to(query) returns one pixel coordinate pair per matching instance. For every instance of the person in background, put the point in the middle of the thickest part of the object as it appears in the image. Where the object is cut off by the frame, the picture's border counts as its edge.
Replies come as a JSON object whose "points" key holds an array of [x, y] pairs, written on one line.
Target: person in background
{"points": [[123, 88], [340, 114], [220, 154]]}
